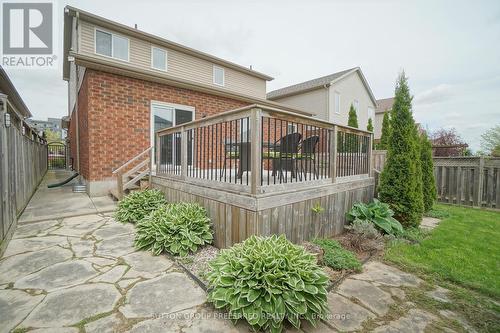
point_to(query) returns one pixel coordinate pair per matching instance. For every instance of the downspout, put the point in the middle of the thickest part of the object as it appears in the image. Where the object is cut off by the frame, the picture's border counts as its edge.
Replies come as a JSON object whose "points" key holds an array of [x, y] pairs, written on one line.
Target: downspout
{"points": [[80, 187]]}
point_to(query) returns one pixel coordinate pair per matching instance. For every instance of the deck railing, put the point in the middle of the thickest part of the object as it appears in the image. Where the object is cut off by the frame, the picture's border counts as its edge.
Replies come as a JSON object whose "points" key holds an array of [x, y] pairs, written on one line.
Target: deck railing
{"points": [[286, 150]]}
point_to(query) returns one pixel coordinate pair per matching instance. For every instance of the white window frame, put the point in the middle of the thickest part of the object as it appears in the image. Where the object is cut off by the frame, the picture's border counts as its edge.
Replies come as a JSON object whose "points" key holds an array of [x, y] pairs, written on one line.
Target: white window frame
{"points": [[166, 58], [336, 105], [112, 50], [223, 76], [371, 112], [355, 103]]}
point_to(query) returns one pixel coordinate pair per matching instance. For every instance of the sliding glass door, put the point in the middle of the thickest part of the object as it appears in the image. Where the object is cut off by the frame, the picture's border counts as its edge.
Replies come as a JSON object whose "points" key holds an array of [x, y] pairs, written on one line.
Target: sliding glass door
{"points": [[164, 116]]}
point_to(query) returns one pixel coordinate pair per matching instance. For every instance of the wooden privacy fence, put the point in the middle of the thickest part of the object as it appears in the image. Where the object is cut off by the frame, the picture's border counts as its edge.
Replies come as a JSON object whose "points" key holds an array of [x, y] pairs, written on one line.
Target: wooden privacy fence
{"points": [[22, 166], [470, 181]]}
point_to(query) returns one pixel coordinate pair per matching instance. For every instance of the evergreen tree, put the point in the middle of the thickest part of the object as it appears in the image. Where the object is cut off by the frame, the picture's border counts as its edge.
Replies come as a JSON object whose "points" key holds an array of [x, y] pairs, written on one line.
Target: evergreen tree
{"points": [[369, 127], [428, 181], [401, 180], [353, 117], [386, 131]]}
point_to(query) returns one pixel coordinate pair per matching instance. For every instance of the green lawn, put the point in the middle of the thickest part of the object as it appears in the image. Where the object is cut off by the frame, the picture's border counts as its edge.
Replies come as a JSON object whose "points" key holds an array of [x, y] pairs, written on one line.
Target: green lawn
{"points": [[464, 249]]}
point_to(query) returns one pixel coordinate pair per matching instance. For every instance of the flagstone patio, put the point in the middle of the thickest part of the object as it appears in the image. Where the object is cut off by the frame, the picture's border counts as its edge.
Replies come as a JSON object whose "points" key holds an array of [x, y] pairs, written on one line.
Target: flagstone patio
{"points": [[82, 274]]}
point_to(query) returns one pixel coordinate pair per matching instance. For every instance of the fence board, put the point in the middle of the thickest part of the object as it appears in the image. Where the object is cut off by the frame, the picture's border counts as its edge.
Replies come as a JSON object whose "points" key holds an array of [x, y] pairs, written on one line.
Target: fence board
{"points": [[22, 166]]}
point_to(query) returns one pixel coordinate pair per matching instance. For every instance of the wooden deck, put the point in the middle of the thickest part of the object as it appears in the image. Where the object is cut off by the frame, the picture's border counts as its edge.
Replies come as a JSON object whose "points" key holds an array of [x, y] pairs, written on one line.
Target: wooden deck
{"points": [[302, 191]]}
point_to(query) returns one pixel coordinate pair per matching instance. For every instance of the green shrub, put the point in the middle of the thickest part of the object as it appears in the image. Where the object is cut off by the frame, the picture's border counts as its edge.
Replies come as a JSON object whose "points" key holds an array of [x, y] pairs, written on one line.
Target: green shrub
{"points": [[353, 117], [369, 127], [267, 280], [174, 228], [401, 180], [428, 181], [386, 131], [377, 213], [135, 206], [363, 236], [336, 256]]}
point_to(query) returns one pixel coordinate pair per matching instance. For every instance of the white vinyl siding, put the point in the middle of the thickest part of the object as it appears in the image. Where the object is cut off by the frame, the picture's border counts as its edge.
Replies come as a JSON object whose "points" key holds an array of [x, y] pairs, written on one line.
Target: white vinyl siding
{"points": [[180, 65], [218, 78], [337, 102], [158, 58], [111, 45]]}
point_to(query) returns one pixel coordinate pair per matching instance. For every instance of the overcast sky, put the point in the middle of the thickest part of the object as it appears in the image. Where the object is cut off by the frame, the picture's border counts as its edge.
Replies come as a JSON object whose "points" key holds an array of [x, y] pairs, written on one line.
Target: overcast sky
{"points": [[450, 50]]}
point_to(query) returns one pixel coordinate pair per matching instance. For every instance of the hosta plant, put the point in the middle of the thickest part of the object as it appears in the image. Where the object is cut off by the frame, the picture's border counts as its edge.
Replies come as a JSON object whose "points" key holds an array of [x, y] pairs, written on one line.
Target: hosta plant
{"points": [[267, 281], [177, 228], [377, 213], [135, 206]]}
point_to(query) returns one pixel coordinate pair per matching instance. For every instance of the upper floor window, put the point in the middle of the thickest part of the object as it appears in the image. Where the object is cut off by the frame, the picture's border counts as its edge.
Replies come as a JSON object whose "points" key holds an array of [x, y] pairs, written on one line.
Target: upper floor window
{"points": [[218, 76], [337, 102], [111, 45], [158, 58], [355, 103], [371, 113]]}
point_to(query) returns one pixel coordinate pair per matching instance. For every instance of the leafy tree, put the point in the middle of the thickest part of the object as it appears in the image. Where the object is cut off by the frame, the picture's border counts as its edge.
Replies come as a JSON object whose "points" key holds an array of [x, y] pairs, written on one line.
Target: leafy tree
{"points": [[369, 127], [428, 181], [447, 142], [52, 136], [490, 141], [353, 117], [401, 180], [386, 131]]}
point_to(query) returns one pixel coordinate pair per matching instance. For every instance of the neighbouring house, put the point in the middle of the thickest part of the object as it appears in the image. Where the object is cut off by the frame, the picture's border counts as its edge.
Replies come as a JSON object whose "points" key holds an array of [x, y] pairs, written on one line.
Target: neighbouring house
{"points": [[124, 84], [330, 97], [383, 106], [53, 124]]}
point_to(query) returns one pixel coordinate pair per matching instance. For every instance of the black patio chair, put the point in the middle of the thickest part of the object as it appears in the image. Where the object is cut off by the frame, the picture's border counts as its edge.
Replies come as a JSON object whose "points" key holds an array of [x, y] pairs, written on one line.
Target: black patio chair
{"points": [[284, 153], [307, 157]]}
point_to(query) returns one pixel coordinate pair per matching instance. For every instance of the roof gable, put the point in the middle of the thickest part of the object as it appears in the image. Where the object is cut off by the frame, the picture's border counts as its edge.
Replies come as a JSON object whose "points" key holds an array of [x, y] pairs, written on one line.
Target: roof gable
{"points": [[320, 82]]}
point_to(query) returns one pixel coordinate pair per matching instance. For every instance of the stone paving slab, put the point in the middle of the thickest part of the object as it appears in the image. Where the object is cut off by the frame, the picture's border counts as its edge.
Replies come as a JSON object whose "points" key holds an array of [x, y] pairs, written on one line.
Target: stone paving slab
{"points": [[165, 294], [383, 274], [346, 315], [373, 298], [69, 306], [64, 274], [415, 321], [22, 245], [15, 305], [15, 267]]}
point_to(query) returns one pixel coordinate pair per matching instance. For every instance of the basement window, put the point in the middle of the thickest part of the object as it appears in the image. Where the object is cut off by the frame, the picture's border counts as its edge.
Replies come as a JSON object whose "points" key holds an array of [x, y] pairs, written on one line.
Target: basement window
{"points": [[111, 45]]}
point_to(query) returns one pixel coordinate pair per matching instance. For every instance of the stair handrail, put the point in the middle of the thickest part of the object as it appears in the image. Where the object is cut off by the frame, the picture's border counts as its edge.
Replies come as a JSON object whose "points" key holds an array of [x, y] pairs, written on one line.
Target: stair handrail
{"points": [[136, 157]]}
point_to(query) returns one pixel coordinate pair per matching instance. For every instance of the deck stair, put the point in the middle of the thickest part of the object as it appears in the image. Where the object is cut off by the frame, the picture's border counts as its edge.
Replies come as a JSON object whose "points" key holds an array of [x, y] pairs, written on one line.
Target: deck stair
{"points": [[133, 175]]}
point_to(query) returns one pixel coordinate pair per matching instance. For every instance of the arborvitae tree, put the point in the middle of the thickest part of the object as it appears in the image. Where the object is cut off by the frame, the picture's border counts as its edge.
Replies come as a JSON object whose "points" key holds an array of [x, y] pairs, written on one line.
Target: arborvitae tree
{"points": [[369, 127], [386, 131], [428, 181], [353, 117], [401, 180]]}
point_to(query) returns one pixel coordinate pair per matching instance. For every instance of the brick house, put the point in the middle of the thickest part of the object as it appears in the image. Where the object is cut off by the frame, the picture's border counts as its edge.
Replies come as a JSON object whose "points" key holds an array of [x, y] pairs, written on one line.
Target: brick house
{"points": [[124, 84]]}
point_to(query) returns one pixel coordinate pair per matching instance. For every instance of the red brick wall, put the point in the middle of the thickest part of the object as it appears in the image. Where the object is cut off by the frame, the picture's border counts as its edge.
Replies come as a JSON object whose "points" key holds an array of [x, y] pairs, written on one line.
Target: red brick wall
{"points": [[116, 116]]}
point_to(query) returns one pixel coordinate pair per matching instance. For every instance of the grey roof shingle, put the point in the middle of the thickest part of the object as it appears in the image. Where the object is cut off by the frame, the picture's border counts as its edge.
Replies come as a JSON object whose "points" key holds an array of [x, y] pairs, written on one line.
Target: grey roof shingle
{"points": [[307, 85], [384, 104]]}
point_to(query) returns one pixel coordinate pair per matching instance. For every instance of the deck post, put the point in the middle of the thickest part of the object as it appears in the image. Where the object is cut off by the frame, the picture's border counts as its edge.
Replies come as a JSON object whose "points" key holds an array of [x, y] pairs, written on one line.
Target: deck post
{"points": [[370, 156], [480, 182], [256, 146], [157, 153], [333, 153], [184, 153]]}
